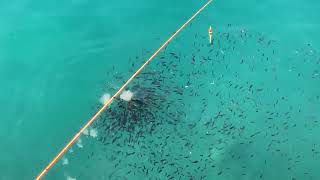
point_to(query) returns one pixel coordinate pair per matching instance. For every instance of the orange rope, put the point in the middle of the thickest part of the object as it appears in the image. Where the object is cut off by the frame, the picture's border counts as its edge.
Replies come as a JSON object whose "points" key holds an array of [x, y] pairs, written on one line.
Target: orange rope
{"points": [[76, 137]]}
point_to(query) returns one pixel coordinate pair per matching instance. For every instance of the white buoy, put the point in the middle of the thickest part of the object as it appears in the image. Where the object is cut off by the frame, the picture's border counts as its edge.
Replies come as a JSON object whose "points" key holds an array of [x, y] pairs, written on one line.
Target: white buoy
{"points": [[93, 133], [105, 98], [71, 178], [65, 161], [79, 143], [86, 132], [126, 95]]}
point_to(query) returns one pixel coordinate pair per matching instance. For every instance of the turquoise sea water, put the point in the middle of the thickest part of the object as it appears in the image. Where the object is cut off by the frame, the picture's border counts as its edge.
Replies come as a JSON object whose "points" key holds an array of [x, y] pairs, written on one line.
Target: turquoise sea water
{"points": [[58, 58]]}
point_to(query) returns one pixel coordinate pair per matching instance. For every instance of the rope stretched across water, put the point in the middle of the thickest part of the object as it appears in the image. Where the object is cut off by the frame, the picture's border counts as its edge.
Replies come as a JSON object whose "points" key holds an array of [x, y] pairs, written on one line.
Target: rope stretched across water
{"points": [[76, 137]]}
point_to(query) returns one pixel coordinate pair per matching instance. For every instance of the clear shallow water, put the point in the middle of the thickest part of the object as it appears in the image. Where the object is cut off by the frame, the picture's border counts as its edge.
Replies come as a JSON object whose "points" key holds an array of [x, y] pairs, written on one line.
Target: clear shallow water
{"points": [[54, 64]]}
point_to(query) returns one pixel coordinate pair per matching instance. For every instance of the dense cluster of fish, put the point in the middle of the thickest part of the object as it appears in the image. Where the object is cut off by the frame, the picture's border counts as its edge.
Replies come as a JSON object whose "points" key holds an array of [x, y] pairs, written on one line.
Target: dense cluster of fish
{"points": [[232, 110]]}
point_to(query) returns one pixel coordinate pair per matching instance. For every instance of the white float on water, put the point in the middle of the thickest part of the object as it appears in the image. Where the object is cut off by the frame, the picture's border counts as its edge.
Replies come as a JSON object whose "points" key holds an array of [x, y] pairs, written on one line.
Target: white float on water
{"points": [[79, 143], [93, 132], [71, 178], [126, 95], [65, 161], [105, 98], [85, 132]]}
